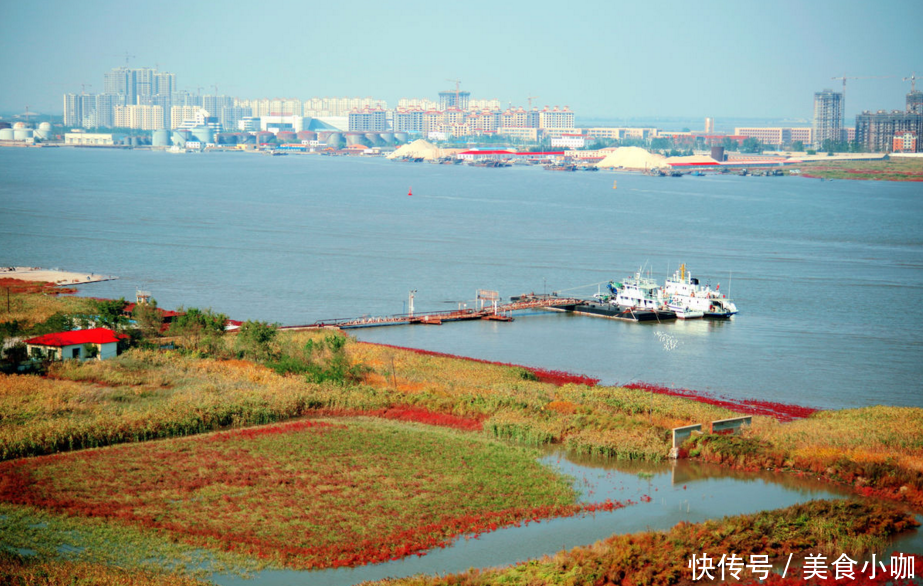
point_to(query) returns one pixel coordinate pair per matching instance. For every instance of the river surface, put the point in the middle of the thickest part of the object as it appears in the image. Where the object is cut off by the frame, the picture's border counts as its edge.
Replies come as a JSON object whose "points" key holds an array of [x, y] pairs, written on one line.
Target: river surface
{"points": [[827, 274]]}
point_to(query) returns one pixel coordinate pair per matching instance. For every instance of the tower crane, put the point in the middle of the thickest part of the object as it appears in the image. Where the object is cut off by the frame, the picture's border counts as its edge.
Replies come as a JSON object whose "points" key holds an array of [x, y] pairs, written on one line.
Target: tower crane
{"points": [[913, 82], [84, 86], [530, 98], [844, 78], [128, 56], [457, 83]]}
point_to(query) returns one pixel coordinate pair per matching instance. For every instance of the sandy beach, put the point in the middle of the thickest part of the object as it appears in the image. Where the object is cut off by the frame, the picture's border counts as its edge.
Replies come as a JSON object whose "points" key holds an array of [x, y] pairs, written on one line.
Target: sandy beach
{"points": [[52, 275]]}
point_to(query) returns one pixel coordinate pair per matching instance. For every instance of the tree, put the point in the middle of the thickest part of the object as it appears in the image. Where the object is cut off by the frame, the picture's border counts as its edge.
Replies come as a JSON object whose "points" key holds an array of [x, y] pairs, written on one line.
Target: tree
{"points": [[194, 325], [798, 146], [751, 145], [111, 313], [148, 319], [729, 144], [255, 339]]}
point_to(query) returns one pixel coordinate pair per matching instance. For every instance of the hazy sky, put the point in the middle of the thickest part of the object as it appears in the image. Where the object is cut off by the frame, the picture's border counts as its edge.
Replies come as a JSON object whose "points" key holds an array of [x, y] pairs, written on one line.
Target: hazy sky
{"points": [[603, 59]]}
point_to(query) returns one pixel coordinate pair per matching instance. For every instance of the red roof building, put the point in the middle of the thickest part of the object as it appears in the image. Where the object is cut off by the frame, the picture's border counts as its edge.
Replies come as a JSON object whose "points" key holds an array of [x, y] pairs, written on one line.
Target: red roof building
{"points": [[71, 345]]}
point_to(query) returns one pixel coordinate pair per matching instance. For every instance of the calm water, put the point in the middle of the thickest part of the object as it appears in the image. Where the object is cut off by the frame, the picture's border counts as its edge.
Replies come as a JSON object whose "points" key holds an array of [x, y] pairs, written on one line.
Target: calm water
{"points": [[827, 274]]}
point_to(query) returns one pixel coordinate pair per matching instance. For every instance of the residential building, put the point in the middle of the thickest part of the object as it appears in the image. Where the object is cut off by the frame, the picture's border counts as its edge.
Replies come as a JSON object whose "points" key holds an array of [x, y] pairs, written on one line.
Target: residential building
{"points": [[407, 119], [75, 345], [368, 119], [138, 117], [556, 119], [905, 142], [876, 131], [709, 126], [828, 117], [454, 99]]}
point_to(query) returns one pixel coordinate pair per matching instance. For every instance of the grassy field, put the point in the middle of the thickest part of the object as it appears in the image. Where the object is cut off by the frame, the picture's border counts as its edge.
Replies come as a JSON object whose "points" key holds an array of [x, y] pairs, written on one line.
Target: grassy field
{"points": [[894, 169], [306, 494]]}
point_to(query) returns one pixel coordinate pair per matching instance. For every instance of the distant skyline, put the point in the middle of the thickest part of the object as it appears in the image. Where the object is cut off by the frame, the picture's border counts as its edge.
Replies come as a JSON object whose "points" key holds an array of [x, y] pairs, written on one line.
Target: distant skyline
{"points": [[603, 60]]}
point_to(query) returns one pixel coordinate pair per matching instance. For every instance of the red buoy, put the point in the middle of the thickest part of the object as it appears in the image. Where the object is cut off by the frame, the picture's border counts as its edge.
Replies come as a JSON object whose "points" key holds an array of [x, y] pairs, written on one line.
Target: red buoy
{"points": [[410, 192]]}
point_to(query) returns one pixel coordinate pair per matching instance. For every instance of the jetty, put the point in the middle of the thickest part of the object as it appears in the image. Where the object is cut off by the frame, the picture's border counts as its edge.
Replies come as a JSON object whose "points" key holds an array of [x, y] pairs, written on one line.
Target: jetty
{"points": [[493, 312]]}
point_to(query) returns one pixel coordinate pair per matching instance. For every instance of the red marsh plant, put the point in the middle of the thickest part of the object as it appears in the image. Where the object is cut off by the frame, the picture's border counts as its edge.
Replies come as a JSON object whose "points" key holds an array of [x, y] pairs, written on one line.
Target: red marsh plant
{"points": [[305, 494]]}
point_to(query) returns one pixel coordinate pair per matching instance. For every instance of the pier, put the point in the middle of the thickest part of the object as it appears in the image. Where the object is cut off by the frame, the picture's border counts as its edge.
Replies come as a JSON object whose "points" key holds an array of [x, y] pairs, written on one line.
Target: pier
{"points": [[495, 312]]}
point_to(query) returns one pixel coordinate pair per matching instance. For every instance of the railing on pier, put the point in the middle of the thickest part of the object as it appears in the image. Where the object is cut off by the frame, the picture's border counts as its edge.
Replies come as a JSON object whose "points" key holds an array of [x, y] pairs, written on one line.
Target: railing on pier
{"points": [[440, 316]]}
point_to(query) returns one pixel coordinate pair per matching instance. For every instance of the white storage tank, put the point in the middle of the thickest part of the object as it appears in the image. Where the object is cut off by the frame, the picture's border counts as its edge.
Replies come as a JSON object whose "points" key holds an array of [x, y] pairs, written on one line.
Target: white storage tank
{"points": [[22, 134], [161, 138], [6, 134]]}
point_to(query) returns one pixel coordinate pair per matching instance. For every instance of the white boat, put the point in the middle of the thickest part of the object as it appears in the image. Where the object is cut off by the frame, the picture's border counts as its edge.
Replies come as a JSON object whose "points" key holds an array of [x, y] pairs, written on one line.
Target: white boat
{"points": [[685, 312], [685, 292], [639, 292]]}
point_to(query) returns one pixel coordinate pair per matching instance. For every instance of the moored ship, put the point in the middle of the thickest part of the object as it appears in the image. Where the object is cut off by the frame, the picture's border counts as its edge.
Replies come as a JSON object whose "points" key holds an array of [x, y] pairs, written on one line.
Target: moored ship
{"points": [[685, 293]]}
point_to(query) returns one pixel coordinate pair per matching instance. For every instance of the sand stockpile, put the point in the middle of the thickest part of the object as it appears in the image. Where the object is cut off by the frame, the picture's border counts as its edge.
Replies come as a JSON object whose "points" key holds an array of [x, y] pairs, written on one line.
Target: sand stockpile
{"points": [[418, 149], [632, 158]]}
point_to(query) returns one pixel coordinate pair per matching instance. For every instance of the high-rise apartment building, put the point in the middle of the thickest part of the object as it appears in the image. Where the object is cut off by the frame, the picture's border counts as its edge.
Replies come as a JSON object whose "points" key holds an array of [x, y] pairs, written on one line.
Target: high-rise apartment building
{"points": [[368, 120], [828, 117], [454, 99]]}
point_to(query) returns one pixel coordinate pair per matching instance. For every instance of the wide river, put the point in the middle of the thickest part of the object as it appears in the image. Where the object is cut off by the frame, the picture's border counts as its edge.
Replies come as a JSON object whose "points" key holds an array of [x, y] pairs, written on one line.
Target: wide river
{"points": [[827, 275]]}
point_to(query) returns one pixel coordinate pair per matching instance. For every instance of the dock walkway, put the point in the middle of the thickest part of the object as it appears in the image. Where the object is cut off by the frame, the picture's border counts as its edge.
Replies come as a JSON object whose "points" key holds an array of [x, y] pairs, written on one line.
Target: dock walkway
{"points": [[498, 313]]}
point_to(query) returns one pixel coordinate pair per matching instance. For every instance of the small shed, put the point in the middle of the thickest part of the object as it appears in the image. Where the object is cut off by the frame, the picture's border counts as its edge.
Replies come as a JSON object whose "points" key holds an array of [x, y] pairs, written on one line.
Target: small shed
{"points": [[71, 345]]}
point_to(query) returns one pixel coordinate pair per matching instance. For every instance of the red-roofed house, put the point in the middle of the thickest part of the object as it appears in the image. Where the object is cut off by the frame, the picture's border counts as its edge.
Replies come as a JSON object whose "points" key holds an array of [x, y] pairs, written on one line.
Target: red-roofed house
{"points": [[70, 345]]}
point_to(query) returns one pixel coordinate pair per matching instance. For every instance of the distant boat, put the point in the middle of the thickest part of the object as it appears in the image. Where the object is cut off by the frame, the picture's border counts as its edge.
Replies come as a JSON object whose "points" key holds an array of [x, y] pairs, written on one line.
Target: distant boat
{"points": [[410, 192]]}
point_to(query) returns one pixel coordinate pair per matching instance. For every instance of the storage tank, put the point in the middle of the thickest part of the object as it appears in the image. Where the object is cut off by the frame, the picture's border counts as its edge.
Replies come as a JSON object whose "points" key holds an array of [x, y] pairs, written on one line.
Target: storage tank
{"points": [[286, 136], [22, 133], [335, 140], [180, 137], [387, 137], [19, 126], [264, 137], [161, 138], [374, 138], [134, 141], [401, 136], [354, 138], [204, 134], [44, 131], [307, 135], [6, 134]]}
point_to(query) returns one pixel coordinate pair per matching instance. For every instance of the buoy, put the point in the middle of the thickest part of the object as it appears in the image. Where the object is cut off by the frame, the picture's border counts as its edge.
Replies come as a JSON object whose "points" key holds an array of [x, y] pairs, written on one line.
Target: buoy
{"points": [[410, 192]]}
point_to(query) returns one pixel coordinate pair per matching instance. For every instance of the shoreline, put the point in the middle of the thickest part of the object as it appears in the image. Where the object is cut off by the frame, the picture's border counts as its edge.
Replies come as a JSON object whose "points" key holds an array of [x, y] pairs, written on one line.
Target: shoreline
{"points": [[56, 276]]}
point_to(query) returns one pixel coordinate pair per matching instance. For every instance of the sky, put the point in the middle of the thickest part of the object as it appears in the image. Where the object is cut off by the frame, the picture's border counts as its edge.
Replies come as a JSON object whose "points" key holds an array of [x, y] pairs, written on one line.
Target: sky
{"points": [[611, 59]]}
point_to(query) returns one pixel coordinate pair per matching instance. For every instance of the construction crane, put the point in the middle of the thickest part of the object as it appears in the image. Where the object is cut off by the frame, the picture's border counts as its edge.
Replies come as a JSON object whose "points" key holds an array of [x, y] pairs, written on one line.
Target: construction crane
{"points": [[844, 78], [84, 86], [128, 56], [530, 98], [457, 83], [913, 82]]}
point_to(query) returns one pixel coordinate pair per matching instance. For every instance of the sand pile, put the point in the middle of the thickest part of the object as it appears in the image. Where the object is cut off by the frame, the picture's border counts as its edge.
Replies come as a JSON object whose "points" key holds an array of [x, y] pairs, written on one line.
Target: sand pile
{"points": [[417, 149], [632, 158]]}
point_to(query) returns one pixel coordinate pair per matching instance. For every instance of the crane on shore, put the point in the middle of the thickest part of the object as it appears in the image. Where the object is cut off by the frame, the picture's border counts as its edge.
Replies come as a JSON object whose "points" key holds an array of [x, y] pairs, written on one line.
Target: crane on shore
{"points": [[844, 77]]}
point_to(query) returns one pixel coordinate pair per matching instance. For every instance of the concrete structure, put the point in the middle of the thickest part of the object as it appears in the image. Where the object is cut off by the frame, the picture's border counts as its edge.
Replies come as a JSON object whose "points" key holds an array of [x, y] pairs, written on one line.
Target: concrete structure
{"points": [[569, 141], [828, 117], [776, 136], [88, 139], [709, 126], [74, 345]]}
